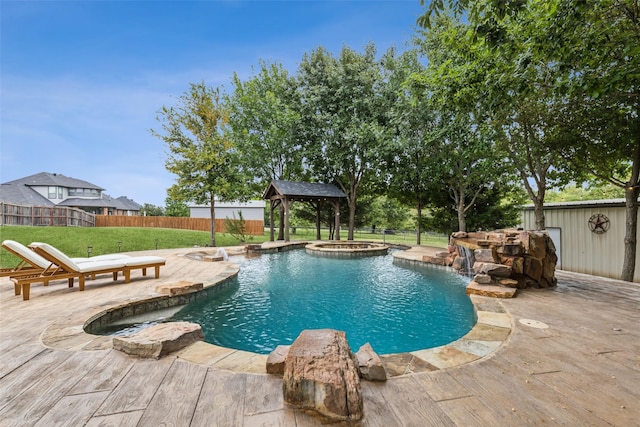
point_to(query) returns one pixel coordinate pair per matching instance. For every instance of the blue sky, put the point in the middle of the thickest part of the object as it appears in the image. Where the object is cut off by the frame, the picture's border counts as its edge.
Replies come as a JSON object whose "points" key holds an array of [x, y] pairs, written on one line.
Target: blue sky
{"points": [[81, 81]]}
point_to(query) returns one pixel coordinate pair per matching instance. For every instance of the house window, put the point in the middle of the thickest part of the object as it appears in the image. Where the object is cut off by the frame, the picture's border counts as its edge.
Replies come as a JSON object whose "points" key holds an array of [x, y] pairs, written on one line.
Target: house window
{"points": [[53, 192], [60, 194]]}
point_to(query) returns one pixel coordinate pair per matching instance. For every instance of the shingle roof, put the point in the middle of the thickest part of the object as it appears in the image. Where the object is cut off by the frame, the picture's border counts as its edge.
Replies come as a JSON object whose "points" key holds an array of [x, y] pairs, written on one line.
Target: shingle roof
{"points": [[46, 178], [128, 204], [303, 189], [20, 194], [106, 201]]}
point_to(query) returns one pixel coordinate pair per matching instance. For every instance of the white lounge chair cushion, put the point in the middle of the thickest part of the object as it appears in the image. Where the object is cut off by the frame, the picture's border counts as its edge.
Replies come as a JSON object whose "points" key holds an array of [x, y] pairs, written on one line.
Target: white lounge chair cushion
{"points": [[26, 253], [92, 267], [107, 257], [83, 267], [142, 260]]}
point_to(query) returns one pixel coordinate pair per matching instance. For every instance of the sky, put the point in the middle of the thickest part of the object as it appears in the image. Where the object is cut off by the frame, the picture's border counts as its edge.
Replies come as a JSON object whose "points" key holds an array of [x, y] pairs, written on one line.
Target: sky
{"points": [[81, 82]]}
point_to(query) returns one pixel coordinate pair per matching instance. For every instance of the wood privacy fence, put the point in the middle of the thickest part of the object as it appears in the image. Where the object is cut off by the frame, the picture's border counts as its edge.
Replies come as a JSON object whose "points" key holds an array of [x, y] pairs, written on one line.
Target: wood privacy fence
{"points": [[252, 227], [45, 215]]}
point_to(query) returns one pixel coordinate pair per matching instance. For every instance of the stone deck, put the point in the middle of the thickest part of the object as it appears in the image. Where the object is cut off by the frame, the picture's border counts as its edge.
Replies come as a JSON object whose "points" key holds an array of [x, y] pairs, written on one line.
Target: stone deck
{"points": [[569, 355]]}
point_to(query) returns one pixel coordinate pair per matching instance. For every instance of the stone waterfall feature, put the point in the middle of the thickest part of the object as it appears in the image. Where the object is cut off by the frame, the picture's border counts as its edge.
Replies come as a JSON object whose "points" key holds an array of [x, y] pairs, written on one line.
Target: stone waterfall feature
{"points": [[505, 261]]}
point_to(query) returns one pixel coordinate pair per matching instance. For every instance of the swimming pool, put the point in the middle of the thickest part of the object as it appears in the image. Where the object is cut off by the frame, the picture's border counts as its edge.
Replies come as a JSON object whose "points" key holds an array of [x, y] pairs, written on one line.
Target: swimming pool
{"points": [[276, 296]]}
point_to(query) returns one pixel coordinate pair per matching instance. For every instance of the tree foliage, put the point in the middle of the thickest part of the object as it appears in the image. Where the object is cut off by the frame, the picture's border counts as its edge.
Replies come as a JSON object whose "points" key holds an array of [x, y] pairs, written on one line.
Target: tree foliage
{"points": [[343, 120], [265, 124], [176, 208], [201, 154], [592, 50], [151, 210]]}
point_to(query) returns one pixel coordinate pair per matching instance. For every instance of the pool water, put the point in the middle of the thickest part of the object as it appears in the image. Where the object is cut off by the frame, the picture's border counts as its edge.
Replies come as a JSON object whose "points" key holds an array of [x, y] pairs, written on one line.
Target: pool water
{"points": [[276, 296]]}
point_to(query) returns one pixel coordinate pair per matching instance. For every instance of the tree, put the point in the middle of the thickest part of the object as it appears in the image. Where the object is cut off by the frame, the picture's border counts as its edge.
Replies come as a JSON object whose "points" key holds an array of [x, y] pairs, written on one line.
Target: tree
{"points": [[498, 207], [466, 163], [201, 153], [511, 96], [343, 120], [593, 48], [151, 210], [409, 159], [265, 126], [596, 49], [176, 208]]}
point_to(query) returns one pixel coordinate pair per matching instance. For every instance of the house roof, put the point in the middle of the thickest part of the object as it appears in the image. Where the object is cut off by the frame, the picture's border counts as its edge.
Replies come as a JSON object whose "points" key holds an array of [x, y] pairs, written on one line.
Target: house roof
{"points": [[19, 192], [46, 178], [303, 190]]}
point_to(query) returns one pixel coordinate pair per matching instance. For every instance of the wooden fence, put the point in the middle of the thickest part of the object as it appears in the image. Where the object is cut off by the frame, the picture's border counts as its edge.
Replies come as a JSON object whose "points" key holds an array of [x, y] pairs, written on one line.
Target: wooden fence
{"points": [[45, 215], [11, 214], [252, 227]]}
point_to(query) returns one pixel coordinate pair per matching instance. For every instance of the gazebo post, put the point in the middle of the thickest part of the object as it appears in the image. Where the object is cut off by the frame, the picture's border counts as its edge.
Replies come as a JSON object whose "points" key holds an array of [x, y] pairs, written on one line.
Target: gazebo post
{"points": [[272, 221], [336, 206], [286, 219], [318, 236]]}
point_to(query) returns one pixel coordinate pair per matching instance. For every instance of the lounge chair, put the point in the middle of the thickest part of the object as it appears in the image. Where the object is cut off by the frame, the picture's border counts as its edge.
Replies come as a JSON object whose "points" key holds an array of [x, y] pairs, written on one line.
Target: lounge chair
{"points": [[67, 268], [30, 262]]}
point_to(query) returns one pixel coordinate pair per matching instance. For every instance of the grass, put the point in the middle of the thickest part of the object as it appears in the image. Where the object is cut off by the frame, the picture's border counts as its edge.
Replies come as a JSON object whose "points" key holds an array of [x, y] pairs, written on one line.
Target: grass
{"points": [[74, 241]]}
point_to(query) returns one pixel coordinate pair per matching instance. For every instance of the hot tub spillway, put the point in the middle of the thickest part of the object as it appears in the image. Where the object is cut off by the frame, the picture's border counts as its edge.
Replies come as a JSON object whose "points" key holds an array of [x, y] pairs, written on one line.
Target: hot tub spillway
{"points": [[347, 249]]}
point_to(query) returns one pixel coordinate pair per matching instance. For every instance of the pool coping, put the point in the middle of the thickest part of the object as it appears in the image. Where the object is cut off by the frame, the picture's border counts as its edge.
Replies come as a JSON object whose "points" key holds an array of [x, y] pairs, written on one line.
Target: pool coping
{"points": [[492, 330]]}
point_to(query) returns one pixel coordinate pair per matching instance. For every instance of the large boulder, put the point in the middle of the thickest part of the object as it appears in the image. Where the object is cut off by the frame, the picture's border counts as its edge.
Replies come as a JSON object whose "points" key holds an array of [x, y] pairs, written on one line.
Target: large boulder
{"points": [[321, 373], [159, 340]]}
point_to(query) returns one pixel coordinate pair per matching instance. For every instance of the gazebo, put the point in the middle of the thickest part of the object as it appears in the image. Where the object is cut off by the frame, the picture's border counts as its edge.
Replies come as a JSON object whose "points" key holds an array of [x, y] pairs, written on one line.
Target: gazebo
{"points": [[286, 192]]}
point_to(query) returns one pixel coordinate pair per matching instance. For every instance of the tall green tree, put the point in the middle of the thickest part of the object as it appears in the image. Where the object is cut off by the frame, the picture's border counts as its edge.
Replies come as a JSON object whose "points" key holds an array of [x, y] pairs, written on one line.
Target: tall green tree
{"points": [[594, 49], [597, 49], [264, 120], [343, 120], [409, 161], [465, 158], [201, 153], [265, 123], [511, 96]]}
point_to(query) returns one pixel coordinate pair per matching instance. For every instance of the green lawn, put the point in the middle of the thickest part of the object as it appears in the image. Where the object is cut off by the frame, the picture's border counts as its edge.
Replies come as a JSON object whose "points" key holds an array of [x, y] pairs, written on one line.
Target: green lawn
{"points": [[74, 241]]}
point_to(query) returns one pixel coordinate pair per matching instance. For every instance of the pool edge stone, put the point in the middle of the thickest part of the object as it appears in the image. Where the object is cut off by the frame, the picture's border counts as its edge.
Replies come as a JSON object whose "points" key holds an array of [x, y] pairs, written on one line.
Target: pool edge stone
{"points": [[493, 318]]}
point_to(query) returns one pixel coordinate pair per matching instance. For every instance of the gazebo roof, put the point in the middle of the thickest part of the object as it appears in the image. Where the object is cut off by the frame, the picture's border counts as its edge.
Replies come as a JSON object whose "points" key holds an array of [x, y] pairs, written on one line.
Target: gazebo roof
{"points": [[303, 191]]}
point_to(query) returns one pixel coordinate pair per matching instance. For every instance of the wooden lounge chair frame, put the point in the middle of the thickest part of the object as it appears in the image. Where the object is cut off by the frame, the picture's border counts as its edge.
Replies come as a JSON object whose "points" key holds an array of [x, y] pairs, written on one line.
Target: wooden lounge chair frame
{"points": [[65, 268], [33, 265], [30, 262]]}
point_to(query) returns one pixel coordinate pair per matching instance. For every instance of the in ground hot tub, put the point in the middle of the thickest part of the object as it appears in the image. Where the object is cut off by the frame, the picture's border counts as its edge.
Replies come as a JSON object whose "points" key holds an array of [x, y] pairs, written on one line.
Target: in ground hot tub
{"points": [[347, 249]]}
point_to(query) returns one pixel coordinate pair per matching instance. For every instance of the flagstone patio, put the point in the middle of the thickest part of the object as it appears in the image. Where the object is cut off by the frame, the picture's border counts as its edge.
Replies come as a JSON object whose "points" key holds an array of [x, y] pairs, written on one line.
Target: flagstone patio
{"points": [[569, 355]]}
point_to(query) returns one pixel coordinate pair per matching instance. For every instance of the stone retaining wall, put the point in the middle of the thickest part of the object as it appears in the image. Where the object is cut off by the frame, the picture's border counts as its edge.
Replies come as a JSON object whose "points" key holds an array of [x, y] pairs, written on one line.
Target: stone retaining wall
{"points": [[514, 259]]}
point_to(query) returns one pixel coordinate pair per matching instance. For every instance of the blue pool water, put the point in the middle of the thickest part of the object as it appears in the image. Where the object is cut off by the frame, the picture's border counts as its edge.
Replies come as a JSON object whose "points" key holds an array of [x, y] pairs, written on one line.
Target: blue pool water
{"points": [[276, 296]]}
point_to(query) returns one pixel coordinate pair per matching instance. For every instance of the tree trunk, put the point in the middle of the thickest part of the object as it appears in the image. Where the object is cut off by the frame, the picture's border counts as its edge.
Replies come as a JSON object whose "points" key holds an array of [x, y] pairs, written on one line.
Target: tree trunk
{"points": [[630, 235], [462, 222], [212, 212], [352, 218], [631, 229], [538, 211]]}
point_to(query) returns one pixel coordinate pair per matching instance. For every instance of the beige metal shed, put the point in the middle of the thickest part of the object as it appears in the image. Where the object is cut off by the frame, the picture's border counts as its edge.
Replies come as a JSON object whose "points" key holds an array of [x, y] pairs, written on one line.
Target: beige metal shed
{"points": [[589, 235]]}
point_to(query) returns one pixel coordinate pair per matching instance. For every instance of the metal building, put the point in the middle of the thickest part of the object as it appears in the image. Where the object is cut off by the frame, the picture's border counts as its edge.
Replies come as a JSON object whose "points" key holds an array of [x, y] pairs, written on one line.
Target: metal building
{"points": [[588, 235]]}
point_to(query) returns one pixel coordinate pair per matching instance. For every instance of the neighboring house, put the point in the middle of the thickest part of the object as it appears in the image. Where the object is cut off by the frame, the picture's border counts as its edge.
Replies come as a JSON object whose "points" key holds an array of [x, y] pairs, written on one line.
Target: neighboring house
{"points": [[588, 235], [252, 210], [51, 189]]}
